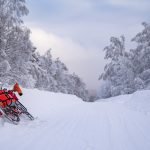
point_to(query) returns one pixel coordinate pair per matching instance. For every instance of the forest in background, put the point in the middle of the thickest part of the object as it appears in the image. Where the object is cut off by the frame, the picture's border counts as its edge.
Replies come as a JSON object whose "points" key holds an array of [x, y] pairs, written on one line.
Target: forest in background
{"points": [[126, 70], [20, 62]]}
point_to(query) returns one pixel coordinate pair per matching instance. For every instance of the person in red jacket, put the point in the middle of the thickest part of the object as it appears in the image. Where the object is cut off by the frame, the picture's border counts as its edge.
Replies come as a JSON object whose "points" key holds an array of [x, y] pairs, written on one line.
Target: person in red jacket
{"points": [[16, 88]]}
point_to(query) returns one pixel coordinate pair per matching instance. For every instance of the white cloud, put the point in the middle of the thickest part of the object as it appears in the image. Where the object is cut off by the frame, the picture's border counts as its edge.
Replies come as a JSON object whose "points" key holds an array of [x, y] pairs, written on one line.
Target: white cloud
{"points": [[61, 46]]}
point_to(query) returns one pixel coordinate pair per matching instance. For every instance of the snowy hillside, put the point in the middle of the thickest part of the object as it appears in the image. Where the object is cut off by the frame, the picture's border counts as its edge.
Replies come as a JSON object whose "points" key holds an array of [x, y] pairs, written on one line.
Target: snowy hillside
{"points": [[64, 122]]}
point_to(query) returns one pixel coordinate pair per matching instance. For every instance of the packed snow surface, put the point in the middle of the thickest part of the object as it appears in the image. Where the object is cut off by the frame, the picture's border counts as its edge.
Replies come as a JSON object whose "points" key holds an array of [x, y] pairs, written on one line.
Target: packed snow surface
{"points": [[65, 122]]}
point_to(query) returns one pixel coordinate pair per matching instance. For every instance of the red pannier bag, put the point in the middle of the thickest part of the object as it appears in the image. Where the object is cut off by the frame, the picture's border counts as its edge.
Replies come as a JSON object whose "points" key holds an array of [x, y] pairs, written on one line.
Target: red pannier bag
{"points": [[5, 99]]}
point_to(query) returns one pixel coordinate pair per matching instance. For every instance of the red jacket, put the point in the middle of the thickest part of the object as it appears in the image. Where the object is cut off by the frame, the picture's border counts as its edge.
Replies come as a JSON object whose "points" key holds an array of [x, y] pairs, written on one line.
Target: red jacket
{"points": [[6, 98]]}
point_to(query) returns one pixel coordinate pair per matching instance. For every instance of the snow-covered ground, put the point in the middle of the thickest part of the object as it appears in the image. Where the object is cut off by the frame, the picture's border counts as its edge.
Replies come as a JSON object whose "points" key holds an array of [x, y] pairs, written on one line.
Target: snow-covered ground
{"points": [[64, 122]]}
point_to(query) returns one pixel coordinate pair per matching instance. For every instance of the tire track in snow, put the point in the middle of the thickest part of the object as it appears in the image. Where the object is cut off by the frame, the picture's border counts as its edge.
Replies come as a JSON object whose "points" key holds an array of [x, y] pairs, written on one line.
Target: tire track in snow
{"points": [[64, 126]]}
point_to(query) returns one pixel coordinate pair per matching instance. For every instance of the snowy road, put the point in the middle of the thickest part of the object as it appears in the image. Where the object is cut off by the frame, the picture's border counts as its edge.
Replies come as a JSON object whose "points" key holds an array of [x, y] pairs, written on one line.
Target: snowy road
{"points": [[66, 123]]}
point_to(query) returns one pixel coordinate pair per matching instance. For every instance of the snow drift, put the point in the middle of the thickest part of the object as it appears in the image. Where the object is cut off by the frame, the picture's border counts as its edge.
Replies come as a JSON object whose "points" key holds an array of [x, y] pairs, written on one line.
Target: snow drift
{"points": [[65, 122]]}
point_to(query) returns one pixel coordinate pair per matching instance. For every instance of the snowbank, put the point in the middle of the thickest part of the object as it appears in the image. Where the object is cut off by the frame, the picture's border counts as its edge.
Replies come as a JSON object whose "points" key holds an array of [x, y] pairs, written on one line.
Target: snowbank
{"points": [[140, 101], [43, 103]]}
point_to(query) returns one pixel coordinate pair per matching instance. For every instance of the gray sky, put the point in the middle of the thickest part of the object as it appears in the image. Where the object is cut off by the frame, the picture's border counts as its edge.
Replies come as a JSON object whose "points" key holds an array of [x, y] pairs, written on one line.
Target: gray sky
{"points": [[78, 30]]}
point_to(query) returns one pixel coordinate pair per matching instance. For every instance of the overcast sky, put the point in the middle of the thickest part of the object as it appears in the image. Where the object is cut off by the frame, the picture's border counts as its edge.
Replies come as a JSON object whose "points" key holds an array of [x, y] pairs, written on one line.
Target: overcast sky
{"points": [[78, 30]]}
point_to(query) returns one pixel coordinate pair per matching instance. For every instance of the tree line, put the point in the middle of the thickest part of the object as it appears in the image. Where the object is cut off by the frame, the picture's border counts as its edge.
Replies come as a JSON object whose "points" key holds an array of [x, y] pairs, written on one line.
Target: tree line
{"points": [[20, 62], [126, 70]]}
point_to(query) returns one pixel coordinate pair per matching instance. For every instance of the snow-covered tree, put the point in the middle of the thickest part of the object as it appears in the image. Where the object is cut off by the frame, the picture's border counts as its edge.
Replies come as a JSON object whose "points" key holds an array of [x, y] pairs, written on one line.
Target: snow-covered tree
{"points": [[19, 52], [15, 46], [118, 72], [11, 12], [141, 56], [42, 71], [79, 88]]}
